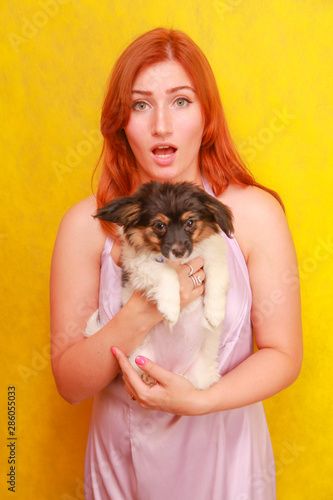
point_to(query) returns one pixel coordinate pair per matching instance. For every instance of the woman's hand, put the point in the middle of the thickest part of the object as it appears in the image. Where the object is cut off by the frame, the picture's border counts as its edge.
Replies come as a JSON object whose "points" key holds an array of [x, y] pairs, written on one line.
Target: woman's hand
{"points": [[171, 393], [191, 279]]}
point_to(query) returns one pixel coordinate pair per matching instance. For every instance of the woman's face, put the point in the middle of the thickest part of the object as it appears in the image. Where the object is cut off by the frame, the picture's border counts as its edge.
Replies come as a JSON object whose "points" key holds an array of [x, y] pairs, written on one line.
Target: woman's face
{"points": [[166, 125]]}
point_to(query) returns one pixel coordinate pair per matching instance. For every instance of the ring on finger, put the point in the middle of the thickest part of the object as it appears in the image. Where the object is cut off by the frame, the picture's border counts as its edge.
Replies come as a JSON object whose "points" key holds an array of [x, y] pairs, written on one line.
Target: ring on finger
{"points": [[191, 268], [148, 380], [197, 281]]}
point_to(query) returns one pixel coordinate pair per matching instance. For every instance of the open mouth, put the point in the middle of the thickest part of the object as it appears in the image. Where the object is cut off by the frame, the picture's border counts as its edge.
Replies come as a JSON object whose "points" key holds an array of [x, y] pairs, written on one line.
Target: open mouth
{"points": [[164, 152]]}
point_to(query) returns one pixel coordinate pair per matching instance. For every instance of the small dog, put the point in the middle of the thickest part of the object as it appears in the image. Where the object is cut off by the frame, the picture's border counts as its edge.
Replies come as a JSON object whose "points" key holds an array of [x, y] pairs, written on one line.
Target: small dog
{"points": [[164, 222]]}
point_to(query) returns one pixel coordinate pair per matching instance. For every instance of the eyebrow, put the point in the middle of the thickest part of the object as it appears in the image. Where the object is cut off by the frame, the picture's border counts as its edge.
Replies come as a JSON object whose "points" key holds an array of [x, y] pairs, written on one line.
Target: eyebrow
{"points": [[168, 91]]}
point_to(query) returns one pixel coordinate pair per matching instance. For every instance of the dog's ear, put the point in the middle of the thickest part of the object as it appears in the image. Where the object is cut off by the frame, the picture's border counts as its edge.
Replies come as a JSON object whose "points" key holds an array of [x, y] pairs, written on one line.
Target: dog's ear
{"points": [[222, 214], [121, 211], [224, 218]]}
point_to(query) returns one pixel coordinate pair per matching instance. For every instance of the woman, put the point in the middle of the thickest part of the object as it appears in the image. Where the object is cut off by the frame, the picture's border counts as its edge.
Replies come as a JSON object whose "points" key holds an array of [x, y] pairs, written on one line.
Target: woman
{"points": [[162, 119]]}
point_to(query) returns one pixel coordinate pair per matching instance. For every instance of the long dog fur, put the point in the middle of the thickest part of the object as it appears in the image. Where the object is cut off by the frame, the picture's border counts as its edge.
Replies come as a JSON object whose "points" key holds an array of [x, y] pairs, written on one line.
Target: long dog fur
{"points": [[146, 251]]}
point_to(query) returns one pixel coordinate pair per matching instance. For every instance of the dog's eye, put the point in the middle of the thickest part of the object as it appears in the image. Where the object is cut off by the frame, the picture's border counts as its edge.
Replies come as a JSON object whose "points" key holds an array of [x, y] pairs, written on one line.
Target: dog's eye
{"points": [[159, 227], [189, 224]]}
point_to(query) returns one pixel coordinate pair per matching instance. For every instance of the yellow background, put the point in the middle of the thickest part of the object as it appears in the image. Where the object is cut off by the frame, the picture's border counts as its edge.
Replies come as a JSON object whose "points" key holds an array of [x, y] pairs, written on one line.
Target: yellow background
{"points": [[270, 59]]}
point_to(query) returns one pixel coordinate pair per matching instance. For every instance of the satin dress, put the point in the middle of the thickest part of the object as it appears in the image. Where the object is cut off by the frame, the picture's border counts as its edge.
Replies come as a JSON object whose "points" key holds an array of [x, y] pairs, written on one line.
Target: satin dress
{"points": [[138, 454]]}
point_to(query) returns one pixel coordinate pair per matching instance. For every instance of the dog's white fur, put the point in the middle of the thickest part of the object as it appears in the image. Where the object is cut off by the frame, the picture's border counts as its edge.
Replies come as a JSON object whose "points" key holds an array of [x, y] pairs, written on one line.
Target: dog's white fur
{"points": [[160, 283]]}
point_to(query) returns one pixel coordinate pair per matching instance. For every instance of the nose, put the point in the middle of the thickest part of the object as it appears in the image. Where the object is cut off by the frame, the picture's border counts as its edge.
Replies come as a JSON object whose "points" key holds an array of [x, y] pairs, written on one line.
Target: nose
{"points": [[178, 250], [162, 122]]}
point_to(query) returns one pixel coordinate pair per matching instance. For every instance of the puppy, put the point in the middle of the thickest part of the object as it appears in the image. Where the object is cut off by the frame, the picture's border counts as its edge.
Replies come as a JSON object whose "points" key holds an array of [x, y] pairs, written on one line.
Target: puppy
{"points": [[164, 222]]}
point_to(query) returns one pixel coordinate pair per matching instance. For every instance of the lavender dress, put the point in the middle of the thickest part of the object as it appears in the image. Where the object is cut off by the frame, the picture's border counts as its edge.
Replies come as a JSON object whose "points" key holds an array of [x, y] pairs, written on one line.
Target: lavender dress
{"points": [[138, 454]]}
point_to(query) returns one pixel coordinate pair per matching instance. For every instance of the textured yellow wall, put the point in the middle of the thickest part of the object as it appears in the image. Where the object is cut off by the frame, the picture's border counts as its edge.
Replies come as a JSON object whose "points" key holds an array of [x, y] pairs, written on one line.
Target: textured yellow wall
{"points": [[273, 63]]}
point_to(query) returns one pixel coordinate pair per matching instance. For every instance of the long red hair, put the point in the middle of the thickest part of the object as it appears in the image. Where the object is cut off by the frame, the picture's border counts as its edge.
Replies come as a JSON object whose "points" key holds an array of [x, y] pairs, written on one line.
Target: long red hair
{"points": [[219, 161]]}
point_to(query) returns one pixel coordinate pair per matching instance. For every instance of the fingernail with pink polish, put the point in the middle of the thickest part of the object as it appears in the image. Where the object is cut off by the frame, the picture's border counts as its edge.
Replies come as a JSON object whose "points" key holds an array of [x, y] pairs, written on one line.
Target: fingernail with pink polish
{"points": [[113, 351], [140, 360]]}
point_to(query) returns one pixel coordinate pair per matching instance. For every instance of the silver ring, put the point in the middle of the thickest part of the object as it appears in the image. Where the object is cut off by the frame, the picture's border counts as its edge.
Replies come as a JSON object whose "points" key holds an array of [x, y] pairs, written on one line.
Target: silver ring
{"points": [[197, 281], [191, 268]]}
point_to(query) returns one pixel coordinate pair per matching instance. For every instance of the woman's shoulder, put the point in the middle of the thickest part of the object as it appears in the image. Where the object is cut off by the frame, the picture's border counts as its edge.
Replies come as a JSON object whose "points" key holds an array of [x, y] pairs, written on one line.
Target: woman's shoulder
{"points": [[81, 209], [79, 224], [257, 216], [250, 200]]}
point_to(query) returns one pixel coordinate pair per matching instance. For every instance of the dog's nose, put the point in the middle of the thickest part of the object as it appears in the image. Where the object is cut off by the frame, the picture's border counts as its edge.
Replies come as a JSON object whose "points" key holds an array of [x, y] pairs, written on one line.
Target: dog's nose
{"points": [[178, 250]]}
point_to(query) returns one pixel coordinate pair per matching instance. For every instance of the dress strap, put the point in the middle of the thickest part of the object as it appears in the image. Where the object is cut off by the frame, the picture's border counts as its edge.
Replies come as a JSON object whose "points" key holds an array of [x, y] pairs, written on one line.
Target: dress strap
{"points": [[108, 244], [206, 184]]}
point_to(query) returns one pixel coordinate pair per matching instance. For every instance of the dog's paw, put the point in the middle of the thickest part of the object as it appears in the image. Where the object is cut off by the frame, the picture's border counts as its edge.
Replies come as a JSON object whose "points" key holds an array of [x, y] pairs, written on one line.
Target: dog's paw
{"points": [[168, 303], [93, 324], [213, 316], [170, 312], [204, 381], [214, 308], [209, 380]]}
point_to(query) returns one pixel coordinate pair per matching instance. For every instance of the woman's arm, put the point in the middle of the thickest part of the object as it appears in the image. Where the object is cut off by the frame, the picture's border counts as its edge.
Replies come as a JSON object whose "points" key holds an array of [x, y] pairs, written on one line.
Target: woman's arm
{"points": [[263, 234], [276, 309], [83, 366]]}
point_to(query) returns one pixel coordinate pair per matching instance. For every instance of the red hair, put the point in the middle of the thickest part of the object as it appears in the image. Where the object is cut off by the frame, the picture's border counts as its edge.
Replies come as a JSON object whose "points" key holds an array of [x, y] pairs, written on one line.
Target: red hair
{"points": [[219, 161]]}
